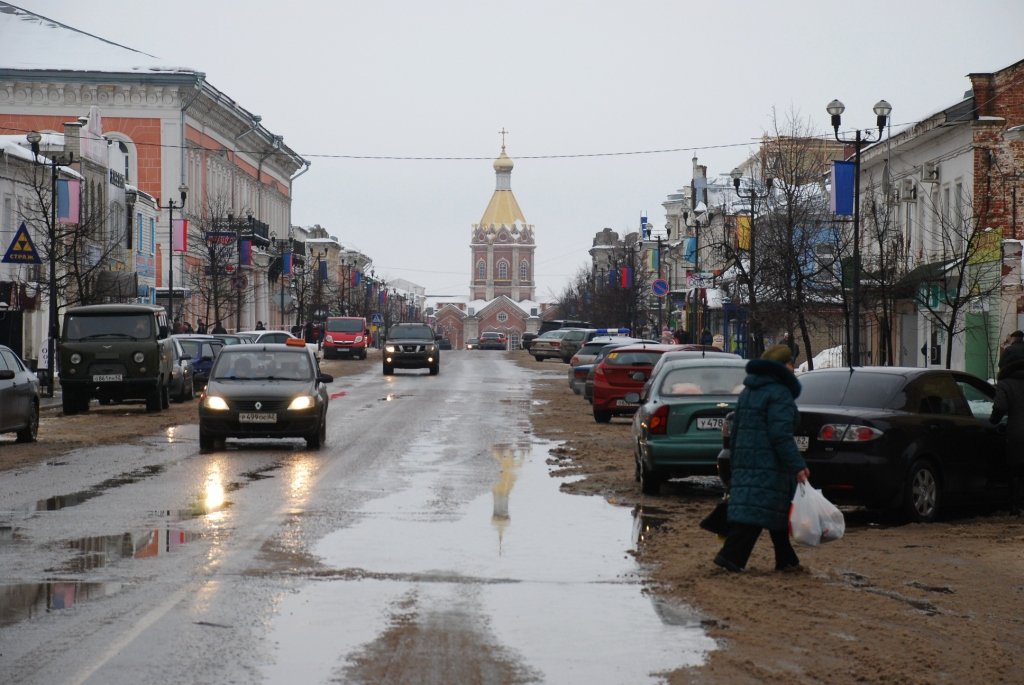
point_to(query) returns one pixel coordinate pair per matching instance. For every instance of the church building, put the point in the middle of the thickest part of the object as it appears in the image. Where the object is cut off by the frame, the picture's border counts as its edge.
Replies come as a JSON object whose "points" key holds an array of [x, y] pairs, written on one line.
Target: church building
{"points": [[502, 282]]}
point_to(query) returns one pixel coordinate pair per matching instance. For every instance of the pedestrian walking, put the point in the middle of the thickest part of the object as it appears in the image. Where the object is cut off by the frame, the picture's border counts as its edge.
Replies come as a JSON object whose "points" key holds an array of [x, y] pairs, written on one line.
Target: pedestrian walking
{"points": [[789, 342], [706, 338], [766, 464], [1009, 402], [259, 326], [200, 327], [1014, 350]]}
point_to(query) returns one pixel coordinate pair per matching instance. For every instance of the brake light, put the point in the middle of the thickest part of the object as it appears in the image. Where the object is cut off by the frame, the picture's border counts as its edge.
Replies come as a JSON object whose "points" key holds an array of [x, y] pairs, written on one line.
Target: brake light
{"points": [[657, 423], [726, 430], [848, 432], [575, 361], [599, 372]]}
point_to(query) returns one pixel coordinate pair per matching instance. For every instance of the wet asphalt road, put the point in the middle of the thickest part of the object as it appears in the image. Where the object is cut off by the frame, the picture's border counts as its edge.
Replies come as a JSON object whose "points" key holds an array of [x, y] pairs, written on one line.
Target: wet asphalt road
{"points": [[426, 543]]}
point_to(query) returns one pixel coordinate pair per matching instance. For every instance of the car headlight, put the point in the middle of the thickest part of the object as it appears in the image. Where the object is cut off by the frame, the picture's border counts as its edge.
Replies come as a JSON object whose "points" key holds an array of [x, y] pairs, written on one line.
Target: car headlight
{"points": [[431, 348], [329, 338], [302, 402], [215, 403], [76, 358], [390, 348], [139, 357], [358, 339]]}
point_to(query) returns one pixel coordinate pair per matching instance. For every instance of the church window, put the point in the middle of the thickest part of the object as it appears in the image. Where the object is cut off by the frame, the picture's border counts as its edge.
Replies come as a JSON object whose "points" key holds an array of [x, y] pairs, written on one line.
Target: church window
{"points": [[524, 270], [502, 317], [503, 270], [481, 269]]}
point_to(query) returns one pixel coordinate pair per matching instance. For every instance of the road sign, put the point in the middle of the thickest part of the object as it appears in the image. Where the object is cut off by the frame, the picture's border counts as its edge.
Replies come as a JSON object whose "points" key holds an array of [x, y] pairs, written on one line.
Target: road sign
{"points": [[22, 251], [377, 318], [659, 287]]}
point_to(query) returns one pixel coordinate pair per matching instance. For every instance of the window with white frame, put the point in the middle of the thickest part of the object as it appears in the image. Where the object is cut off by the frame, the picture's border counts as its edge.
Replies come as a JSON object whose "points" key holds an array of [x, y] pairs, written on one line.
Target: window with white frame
{"points": [[524, 270], [502, 270], [481, 270]]}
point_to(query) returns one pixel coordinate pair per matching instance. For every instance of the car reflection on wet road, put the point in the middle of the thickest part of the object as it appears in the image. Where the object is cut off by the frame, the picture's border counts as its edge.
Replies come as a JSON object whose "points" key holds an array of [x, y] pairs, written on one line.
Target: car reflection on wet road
{"points": [[426, 538]]}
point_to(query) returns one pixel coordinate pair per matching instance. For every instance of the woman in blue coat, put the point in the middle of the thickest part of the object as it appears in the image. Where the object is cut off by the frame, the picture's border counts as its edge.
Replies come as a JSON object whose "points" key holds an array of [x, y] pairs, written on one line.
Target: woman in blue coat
{"points": [[766, 464]]}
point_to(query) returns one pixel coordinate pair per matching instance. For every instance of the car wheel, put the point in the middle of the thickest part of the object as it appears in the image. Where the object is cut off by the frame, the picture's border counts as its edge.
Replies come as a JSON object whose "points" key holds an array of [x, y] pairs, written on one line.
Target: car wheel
{"points": [[388, 370], [435, 369], [154, 399], [649, 483], [923, 493], [602, 416], [318, 437], [31, 429], [207, 443], [69, 402], [538, 357]]}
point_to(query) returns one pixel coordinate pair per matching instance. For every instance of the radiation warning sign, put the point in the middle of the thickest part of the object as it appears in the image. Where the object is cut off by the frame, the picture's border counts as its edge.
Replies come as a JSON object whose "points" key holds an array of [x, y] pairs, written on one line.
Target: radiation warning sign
{"points": [[22, 251]]}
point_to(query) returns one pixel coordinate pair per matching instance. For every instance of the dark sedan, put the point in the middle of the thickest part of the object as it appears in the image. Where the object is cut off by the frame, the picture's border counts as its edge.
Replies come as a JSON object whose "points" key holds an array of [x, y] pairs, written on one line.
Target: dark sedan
{"points": [[201, 351], [265, 391], [19, 397], [911, 440], [492, 340]]}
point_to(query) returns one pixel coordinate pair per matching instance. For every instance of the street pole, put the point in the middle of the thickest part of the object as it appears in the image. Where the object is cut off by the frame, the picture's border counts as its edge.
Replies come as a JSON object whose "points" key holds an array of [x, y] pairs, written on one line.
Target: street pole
{"points": [[861, 138], [183, 191], [34, 138], [755, 334]]}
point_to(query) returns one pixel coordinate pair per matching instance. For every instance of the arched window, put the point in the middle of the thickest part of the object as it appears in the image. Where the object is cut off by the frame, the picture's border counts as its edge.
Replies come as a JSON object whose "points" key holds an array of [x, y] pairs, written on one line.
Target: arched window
{"points": [[123, 156], [524, 270], [481, 270], [502, 270]]}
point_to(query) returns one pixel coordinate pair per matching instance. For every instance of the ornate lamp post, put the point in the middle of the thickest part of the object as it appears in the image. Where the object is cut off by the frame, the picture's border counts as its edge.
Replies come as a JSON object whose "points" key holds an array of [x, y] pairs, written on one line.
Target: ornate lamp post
{"points": [[752, 195], [860, 139], [170, 206], [34, 139]]}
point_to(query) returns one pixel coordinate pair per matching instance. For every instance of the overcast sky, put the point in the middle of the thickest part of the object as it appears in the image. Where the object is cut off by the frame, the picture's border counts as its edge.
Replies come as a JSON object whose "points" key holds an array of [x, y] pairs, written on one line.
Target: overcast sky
{"points": [[606, 101]]}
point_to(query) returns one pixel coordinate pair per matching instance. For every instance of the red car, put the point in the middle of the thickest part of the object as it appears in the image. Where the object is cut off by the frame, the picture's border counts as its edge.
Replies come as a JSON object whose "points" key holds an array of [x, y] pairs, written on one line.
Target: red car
{"points": [[624, 370]]}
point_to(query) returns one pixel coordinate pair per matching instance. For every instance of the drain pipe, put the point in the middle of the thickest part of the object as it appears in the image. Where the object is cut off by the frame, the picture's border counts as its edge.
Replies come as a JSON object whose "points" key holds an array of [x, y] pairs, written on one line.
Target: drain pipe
{"points": [[200, 79], [291, 183], [256, 119]]}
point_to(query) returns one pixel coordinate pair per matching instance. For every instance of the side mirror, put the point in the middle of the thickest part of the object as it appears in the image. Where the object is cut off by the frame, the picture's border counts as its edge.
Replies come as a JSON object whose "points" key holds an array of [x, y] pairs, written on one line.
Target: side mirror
{"points": [[6, 374], [162, 333], [325, 378]]}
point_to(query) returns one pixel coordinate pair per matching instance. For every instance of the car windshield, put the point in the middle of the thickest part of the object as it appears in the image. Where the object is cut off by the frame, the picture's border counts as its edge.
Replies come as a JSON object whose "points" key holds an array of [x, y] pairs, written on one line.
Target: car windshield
{"points": [[491, 336], [262, 365], [703, 380], [345, 326], [633, 358], [135, 327], [850, 389], [412, 332]]}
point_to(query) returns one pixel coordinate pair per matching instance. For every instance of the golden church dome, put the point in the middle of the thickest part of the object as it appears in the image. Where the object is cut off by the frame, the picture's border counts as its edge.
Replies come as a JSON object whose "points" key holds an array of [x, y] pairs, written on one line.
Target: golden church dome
{"points": [[503, 162]]}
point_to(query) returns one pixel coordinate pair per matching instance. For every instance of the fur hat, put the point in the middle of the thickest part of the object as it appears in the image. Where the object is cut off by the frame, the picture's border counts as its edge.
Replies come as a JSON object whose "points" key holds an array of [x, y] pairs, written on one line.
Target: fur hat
{"points": [[1017, 334], [778, 353]]}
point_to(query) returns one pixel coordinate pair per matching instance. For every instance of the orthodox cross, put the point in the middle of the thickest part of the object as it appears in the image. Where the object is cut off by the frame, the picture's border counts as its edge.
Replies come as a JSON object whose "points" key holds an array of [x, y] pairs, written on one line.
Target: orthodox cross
{"points": [[503, 133]]}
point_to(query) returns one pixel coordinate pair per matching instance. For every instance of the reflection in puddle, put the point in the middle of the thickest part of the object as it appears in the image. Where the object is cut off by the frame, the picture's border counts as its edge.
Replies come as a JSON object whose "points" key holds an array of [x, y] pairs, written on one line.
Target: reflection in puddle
{"points": [[103, 550], [58, 502], [509, 460], [27, 600], [646, 521]]}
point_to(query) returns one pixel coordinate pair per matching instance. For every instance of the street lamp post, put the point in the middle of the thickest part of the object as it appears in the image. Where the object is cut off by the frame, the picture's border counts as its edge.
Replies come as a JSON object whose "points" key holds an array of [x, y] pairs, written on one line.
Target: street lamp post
{"points": [[753, 321], [183, 191], [860, 139], [648, 230], [34, 139]]}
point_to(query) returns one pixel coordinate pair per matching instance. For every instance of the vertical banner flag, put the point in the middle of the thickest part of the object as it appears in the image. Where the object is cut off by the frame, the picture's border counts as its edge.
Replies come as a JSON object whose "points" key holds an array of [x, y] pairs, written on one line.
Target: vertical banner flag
{"points": [[743, 232], [626, 277], [613, 278], [841, 201], [382, 297], [652, 260], [323, 270], [68, 196], [179, 235], [245, 253], [691, 250], [286, 264]]}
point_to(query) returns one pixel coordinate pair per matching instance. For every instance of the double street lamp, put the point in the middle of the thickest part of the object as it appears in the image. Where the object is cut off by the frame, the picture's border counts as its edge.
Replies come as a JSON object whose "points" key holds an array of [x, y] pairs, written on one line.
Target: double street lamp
{"points": [[170, 206], [34, 139], [755, 333], [860, 139]]}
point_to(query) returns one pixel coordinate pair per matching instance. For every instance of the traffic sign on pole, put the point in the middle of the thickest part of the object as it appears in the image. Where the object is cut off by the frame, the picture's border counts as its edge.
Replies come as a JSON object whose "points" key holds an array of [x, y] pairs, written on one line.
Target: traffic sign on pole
{"points": [[659, 287]]}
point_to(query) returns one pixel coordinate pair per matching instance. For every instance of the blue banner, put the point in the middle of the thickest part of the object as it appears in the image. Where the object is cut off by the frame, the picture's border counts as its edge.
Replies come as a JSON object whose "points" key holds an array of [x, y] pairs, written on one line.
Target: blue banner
{"points": [[323, 270], [841, 201], [286, 264]]}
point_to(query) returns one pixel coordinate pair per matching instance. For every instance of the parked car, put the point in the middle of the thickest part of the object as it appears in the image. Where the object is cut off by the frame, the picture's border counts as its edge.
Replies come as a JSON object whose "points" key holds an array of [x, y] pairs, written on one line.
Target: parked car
{"points": [[493, 340], [548, 345], [233, 338], [689, 351], [473, 344], [580, 363], [182, 384], [910, 440], [279, 338], [19, 397], [202, 350], [411, 346], [572, 341], [555, 324], [676, 431], [588, 386], [265, 391], [444, 344], [526, 339], [623, 370]]}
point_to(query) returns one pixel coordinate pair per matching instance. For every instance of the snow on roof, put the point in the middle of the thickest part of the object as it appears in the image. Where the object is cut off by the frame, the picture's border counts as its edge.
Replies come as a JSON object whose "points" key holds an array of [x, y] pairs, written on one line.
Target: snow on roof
{"points": [[13, 148], [34, 42]]}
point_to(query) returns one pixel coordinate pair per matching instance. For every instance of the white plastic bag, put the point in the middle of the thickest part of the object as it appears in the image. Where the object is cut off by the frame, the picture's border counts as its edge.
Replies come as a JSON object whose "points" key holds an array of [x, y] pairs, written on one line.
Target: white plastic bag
{"points": [[813, 519]]}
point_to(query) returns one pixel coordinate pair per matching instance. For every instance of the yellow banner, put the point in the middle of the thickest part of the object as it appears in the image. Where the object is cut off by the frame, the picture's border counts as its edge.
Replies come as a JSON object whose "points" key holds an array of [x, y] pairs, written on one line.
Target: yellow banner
{"points": [[986, 247], [743, 232]]}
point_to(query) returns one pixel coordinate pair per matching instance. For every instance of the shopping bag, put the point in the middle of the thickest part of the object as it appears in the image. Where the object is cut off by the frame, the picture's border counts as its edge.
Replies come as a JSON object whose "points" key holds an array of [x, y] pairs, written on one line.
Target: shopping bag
{"points": [[812, 518], [717, 521]]}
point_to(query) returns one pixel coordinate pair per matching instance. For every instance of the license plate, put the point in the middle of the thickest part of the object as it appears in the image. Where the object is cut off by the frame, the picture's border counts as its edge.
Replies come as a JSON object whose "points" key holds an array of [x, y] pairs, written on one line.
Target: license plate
{"points": [[710, 423], [624, 403], [256, 417], [107, 378], [802, 442]]}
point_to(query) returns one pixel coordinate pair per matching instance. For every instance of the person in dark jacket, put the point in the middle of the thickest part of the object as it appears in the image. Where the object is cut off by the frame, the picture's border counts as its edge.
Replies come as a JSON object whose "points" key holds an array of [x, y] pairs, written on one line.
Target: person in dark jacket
{"points": [[766, 464], [1009, 402], [1014, 351], [217, 328]]}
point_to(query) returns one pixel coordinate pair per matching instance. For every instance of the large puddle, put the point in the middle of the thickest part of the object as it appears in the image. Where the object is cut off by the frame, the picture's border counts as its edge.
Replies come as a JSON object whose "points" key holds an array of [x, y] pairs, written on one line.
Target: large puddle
{"points": [[542, 578]]}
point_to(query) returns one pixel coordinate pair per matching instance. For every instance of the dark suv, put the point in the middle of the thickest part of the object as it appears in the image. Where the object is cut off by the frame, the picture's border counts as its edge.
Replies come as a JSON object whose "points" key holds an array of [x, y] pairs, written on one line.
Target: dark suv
{"points": [[411, 346], [115, 352]]}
